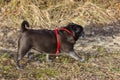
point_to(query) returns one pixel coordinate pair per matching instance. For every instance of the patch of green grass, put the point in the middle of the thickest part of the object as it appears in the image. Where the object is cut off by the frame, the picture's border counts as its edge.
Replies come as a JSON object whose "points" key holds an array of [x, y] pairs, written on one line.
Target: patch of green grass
{"points": [[43, 73], [64, 67], [40, 57], [117, 69], [101, 49], [4, 55], [64, 59], [67, 68]]}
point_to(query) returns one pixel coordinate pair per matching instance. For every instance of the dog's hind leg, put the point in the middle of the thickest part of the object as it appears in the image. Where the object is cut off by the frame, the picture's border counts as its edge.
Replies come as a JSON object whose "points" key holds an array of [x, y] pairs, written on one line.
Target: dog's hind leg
{"points": [[74, 55], [21, 53]]}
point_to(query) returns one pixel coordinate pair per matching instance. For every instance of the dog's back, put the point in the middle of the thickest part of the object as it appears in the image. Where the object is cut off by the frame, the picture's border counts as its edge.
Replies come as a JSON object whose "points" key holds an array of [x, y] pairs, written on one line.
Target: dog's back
{"points": [[41, 40]]}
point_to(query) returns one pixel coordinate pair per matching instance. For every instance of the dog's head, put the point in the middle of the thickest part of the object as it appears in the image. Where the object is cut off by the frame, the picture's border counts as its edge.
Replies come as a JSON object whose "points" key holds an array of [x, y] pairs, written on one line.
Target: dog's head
{"points": [[76, 29]]}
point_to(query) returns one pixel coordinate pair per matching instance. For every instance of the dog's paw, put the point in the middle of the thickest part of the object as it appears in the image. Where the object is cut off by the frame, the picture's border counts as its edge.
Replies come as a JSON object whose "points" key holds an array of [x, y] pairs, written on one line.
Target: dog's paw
{"points": [[82, 60], [30, 55], [19, 67], [49, 60]]}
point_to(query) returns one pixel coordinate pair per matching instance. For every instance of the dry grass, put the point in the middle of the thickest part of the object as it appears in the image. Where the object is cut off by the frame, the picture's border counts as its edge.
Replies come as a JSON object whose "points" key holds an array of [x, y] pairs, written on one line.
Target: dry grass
{"points": [[51, 13]]}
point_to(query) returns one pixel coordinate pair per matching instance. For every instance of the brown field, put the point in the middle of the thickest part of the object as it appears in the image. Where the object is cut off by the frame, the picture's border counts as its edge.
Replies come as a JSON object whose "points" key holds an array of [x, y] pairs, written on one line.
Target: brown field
{"points": [[49, 14]]}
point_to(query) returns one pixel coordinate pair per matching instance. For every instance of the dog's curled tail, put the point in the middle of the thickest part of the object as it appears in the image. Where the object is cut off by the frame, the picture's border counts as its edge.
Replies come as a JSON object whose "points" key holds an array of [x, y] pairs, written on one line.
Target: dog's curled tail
{"points": [[24, 26]]}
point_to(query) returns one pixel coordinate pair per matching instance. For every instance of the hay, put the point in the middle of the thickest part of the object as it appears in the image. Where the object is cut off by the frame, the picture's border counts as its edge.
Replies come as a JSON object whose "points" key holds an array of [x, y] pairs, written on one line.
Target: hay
{"points": [[52, 13]]}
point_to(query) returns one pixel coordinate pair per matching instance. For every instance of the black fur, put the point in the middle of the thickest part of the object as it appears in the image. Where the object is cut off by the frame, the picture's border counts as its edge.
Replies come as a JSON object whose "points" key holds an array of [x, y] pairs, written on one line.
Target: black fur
{"points": [[44, 40]]}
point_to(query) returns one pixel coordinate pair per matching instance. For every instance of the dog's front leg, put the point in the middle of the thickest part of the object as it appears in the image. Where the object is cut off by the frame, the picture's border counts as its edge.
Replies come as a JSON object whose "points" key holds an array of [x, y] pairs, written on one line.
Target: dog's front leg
{"points": [[74, 55]]}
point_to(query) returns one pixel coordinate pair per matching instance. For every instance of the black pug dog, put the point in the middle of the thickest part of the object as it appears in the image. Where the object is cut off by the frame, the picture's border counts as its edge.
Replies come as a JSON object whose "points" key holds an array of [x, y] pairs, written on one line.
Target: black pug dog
{"points": [[45, 41]]}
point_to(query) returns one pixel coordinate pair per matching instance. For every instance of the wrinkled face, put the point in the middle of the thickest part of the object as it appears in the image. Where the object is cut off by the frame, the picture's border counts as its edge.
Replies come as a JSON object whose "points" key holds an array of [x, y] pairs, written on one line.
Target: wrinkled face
{"points": [[77, 30]]}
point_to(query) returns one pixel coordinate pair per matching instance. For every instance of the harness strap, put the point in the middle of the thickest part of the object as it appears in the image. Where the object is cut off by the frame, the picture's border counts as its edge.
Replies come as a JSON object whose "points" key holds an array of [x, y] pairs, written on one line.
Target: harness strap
{"points": [[57, 37], [66, 31], [58, 42]]}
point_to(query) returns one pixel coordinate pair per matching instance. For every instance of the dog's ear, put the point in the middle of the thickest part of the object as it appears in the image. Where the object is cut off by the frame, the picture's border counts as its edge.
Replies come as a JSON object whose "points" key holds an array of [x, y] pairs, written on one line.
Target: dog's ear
{"points": [[75, 27], [70, 26]]}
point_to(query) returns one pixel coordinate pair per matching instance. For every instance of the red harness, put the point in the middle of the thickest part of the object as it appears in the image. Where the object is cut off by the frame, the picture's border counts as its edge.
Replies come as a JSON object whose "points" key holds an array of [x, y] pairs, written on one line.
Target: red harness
{"points": [[57, 37]]}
